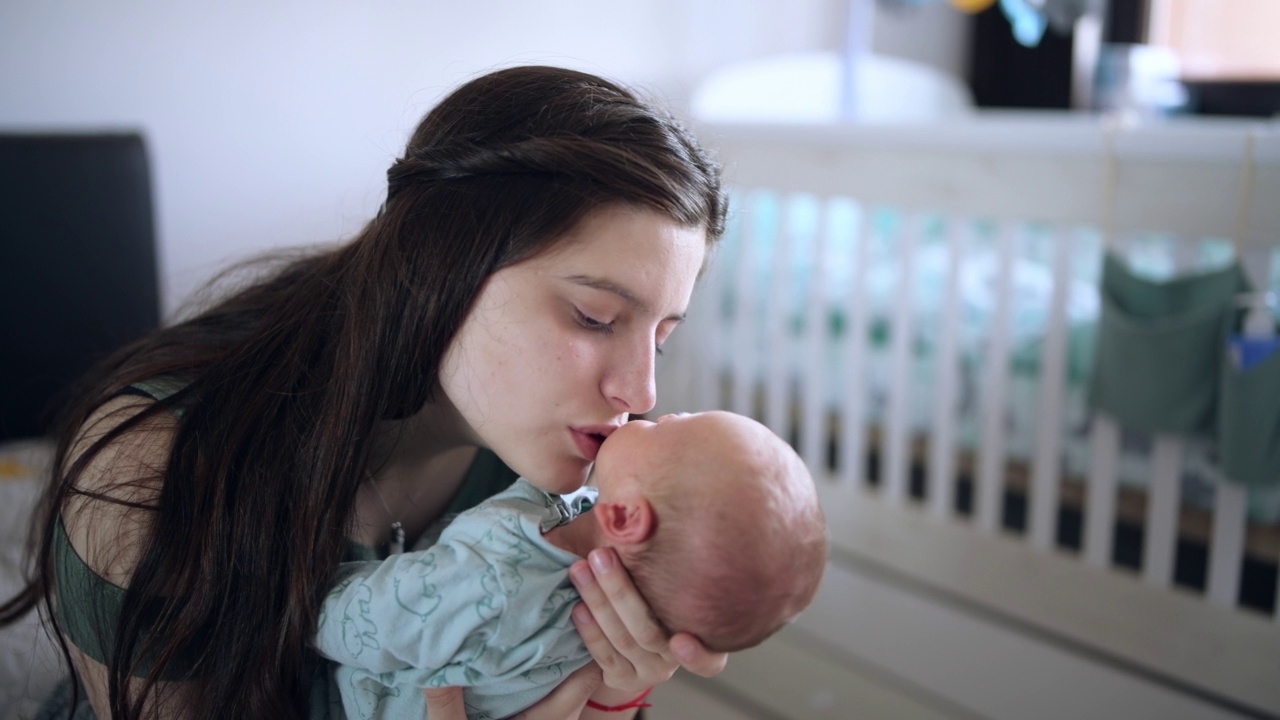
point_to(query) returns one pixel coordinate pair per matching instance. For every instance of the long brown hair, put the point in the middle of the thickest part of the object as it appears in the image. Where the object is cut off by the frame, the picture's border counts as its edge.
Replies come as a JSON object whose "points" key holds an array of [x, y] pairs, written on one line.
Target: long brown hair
{"points": [[286, 378]]}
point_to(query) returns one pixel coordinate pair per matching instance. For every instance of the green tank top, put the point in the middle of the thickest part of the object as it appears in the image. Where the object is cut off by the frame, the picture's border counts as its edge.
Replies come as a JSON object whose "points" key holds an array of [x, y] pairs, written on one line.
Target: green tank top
{"points": [[88, 605]]}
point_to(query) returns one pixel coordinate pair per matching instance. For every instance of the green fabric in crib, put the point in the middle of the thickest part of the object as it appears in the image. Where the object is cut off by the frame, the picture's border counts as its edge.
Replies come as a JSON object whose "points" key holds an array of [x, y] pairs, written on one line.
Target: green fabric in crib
{"points": [[1160, 347], [1249, 423]]}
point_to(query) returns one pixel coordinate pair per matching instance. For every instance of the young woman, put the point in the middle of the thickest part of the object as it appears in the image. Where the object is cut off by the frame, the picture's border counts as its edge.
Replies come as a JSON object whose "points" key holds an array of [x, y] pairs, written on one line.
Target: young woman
{"points": [[539, 242]]}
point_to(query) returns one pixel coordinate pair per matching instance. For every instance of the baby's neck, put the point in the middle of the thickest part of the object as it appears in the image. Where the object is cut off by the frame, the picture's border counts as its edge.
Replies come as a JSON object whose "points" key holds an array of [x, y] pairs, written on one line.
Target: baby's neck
{"points": [[578, 536]]}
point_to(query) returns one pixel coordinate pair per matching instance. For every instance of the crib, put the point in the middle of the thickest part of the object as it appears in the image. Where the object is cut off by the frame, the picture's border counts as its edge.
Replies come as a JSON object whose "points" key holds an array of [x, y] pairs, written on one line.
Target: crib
{"points": [[917, 309]]}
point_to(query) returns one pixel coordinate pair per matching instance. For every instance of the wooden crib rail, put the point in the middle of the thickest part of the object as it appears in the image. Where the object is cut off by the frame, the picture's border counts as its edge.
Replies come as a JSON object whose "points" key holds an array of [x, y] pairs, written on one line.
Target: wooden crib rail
{"points": [[1179, 177]]}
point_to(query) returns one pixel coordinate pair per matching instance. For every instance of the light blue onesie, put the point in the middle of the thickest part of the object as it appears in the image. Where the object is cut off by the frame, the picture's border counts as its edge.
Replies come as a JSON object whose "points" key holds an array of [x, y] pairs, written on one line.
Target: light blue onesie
{"points": [[486, 608]]}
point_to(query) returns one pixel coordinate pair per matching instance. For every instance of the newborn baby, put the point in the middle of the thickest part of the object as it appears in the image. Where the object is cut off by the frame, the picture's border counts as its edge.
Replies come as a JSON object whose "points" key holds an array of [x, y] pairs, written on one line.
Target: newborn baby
{"points": [[714, 516]]}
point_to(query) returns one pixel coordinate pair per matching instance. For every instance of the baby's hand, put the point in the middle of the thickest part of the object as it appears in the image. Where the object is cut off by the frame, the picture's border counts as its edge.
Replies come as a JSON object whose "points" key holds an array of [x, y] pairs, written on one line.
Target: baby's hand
{"points": [[619, 630]]}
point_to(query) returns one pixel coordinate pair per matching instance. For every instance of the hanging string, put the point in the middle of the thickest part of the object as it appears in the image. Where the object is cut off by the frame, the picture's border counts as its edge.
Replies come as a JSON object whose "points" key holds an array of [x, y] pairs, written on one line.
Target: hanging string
{"points": [[1248, 177], [1110, 181]]}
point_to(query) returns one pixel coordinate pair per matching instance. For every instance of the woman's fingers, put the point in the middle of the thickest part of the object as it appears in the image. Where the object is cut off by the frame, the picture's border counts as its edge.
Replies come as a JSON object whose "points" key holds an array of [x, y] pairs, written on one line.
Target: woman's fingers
{"points": [[695, 658], [618, 607], [617, 627], [609, 659], [567, 700], [445, 703]]}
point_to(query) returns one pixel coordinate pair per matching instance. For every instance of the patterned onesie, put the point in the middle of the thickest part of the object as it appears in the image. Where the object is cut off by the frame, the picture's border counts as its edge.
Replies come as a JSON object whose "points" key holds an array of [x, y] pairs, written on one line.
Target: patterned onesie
{"points": [[486, 608]]}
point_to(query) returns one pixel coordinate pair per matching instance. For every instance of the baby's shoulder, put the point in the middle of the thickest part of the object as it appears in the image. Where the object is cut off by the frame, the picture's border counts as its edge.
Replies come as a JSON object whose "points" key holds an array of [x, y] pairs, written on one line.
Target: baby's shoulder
{"points": [[509, 514]]}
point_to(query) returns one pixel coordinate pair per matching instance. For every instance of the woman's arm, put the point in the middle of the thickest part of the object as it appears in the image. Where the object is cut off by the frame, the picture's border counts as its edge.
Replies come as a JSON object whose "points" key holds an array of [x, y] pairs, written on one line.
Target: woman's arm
{"points": [[108, 532]]}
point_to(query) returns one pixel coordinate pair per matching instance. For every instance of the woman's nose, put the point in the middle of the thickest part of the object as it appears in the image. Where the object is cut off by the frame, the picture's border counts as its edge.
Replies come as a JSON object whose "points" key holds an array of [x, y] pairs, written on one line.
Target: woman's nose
{"points": [[630, 385]]}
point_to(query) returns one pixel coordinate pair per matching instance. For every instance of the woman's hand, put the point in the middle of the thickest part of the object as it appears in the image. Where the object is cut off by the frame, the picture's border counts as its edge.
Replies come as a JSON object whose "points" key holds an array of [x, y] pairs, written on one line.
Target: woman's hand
{"points": [[615, 623], [564, 703]]}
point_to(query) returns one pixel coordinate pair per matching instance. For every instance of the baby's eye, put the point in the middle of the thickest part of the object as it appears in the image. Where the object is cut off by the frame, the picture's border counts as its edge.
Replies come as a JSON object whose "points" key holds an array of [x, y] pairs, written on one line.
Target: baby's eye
{"points": [[592, 324]]}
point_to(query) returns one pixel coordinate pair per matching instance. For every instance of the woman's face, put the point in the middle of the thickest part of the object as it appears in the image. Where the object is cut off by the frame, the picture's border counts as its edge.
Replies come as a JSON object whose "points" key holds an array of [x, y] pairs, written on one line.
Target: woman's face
{"points": [[558, 349]]}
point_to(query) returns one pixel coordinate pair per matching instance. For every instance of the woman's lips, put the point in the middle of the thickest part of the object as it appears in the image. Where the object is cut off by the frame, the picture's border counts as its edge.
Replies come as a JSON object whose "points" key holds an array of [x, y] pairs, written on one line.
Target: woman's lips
{"points": [[588, 442]]}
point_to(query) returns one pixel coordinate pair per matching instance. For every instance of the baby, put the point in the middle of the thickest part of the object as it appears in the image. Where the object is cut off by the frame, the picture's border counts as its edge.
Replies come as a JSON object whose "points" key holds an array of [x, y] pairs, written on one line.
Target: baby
{"points": [[714, 516]]}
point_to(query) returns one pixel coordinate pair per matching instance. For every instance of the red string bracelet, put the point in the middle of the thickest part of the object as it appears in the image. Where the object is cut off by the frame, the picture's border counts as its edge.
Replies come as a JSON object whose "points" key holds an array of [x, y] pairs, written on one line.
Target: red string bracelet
{"points": [[639, 702]]}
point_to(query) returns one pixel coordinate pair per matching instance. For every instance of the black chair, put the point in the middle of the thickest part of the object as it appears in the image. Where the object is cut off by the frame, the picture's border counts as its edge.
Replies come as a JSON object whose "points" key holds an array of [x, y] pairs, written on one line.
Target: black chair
{"points": [[78, 271]]}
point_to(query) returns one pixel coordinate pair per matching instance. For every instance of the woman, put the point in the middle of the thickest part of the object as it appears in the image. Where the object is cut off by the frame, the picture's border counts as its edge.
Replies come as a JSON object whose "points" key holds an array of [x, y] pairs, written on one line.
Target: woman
{"points": [[539, 241]]}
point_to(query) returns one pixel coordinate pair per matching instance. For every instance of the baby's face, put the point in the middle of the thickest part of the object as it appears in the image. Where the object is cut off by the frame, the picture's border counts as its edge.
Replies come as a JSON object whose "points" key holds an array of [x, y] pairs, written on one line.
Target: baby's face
{"points": [[633, 452], [640, 455]]}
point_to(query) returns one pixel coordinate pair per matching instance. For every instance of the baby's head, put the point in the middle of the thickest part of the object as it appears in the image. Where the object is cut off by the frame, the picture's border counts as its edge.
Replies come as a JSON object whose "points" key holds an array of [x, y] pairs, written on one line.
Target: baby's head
{"points": [[717, 520]]}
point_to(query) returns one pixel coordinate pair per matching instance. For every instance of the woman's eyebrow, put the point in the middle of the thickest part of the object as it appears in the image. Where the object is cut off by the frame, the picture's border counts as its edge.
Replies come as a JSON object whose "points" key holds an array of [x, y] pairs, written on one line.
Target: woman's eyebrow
{"points": [[612, 287]]}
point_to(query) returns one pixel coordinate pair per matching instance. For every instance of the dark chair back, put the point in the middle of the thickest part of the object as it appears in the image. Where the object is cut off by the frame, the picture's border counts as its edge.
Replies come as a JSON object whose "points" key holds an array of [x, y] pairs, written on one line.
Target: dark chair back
{"points": [[78, 271]]}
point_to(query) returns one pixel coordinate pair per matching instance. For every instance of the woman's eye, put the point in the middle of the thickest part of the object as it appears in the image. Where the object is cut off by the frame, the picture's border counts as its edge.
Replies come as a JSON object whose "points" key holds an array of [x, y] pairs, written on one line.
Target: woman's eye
{"points": [[592, 324]]}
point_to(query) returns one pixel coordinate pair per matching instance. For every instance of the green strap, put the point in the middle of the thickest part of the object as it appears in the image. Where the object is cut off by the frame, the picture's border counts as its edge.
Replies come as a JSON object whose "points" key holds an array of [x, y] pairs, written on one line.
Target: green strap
{"points": [[88, 608]]}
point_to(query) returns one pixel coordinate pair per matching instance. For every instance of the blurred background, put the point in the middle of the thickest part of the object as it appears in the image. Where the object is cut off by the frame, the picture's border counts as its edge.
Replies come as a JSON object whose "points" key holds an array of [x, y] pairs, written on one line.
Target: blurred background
{"points": [[146, 145], [271, 124]]}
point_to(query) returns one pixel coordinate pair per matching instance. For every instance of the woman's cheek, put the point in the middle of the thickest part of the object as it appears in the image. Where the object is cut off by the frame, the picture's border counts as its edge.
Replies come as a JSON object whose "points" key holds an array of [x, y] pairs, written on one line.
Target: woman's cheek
{"points": [[577, 352]]}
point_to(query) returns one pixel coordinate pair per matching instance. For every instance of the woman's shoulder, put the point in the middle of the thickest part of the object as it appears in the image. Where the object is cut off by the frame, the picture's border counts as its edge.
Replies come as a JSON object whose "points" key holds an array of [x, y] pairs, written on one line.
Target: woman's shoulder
{"points": [[124, 451]]}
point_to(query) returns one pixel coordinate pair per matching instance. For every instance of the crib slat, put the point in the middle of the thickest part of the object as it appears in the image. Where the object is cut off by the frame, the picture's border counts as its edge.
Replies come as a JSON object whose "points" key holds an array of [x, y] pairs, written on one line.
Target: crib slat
{"points": [[1257, 257], [853, 389], [778, 345], [1164, 493], [1100, 514], [744, 322], [1227, 548], [1053, 377], [941, 487], [814, 379], [898, 415], [1162, 510], [1230, 502], [991, 461]]}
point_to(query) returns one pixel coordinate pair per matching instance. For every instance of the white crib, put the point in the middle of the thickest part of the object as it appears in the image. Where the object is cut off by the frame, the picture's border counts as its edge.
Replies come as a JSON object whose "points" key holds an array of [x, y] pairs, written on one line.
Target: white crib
{"points": [[1006, 593]]}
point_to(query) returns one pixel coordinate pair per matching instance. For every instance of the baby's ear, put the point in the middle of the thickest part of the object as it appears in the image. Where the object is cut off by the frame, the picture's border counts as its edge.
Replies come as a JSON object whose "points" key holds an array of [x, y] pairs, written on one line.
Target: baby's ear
{"points": [[629, 522]]}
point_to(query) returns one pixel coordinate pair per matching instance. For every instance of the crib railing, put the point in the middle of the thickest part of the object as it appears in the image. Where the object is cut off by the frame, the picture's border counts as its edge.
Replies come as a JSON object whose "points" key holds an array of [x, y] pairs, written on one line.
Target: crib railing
{"points": [[948, 465]]}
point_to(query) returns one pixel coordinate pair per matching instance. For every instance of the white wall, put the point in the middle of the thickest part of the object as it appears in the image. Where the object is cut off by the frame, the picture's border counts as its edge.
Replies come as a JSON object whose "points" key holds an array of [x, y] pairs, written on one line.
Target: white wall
{"points": [[272, 123]]}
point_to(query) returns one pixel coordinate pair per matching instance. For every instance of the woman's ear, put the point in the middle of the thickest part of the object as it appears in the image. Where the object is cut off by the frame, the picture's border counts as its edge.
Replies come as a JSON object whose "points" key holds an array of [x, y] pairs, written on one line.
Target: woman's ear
{"points": [[628, 522]]}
